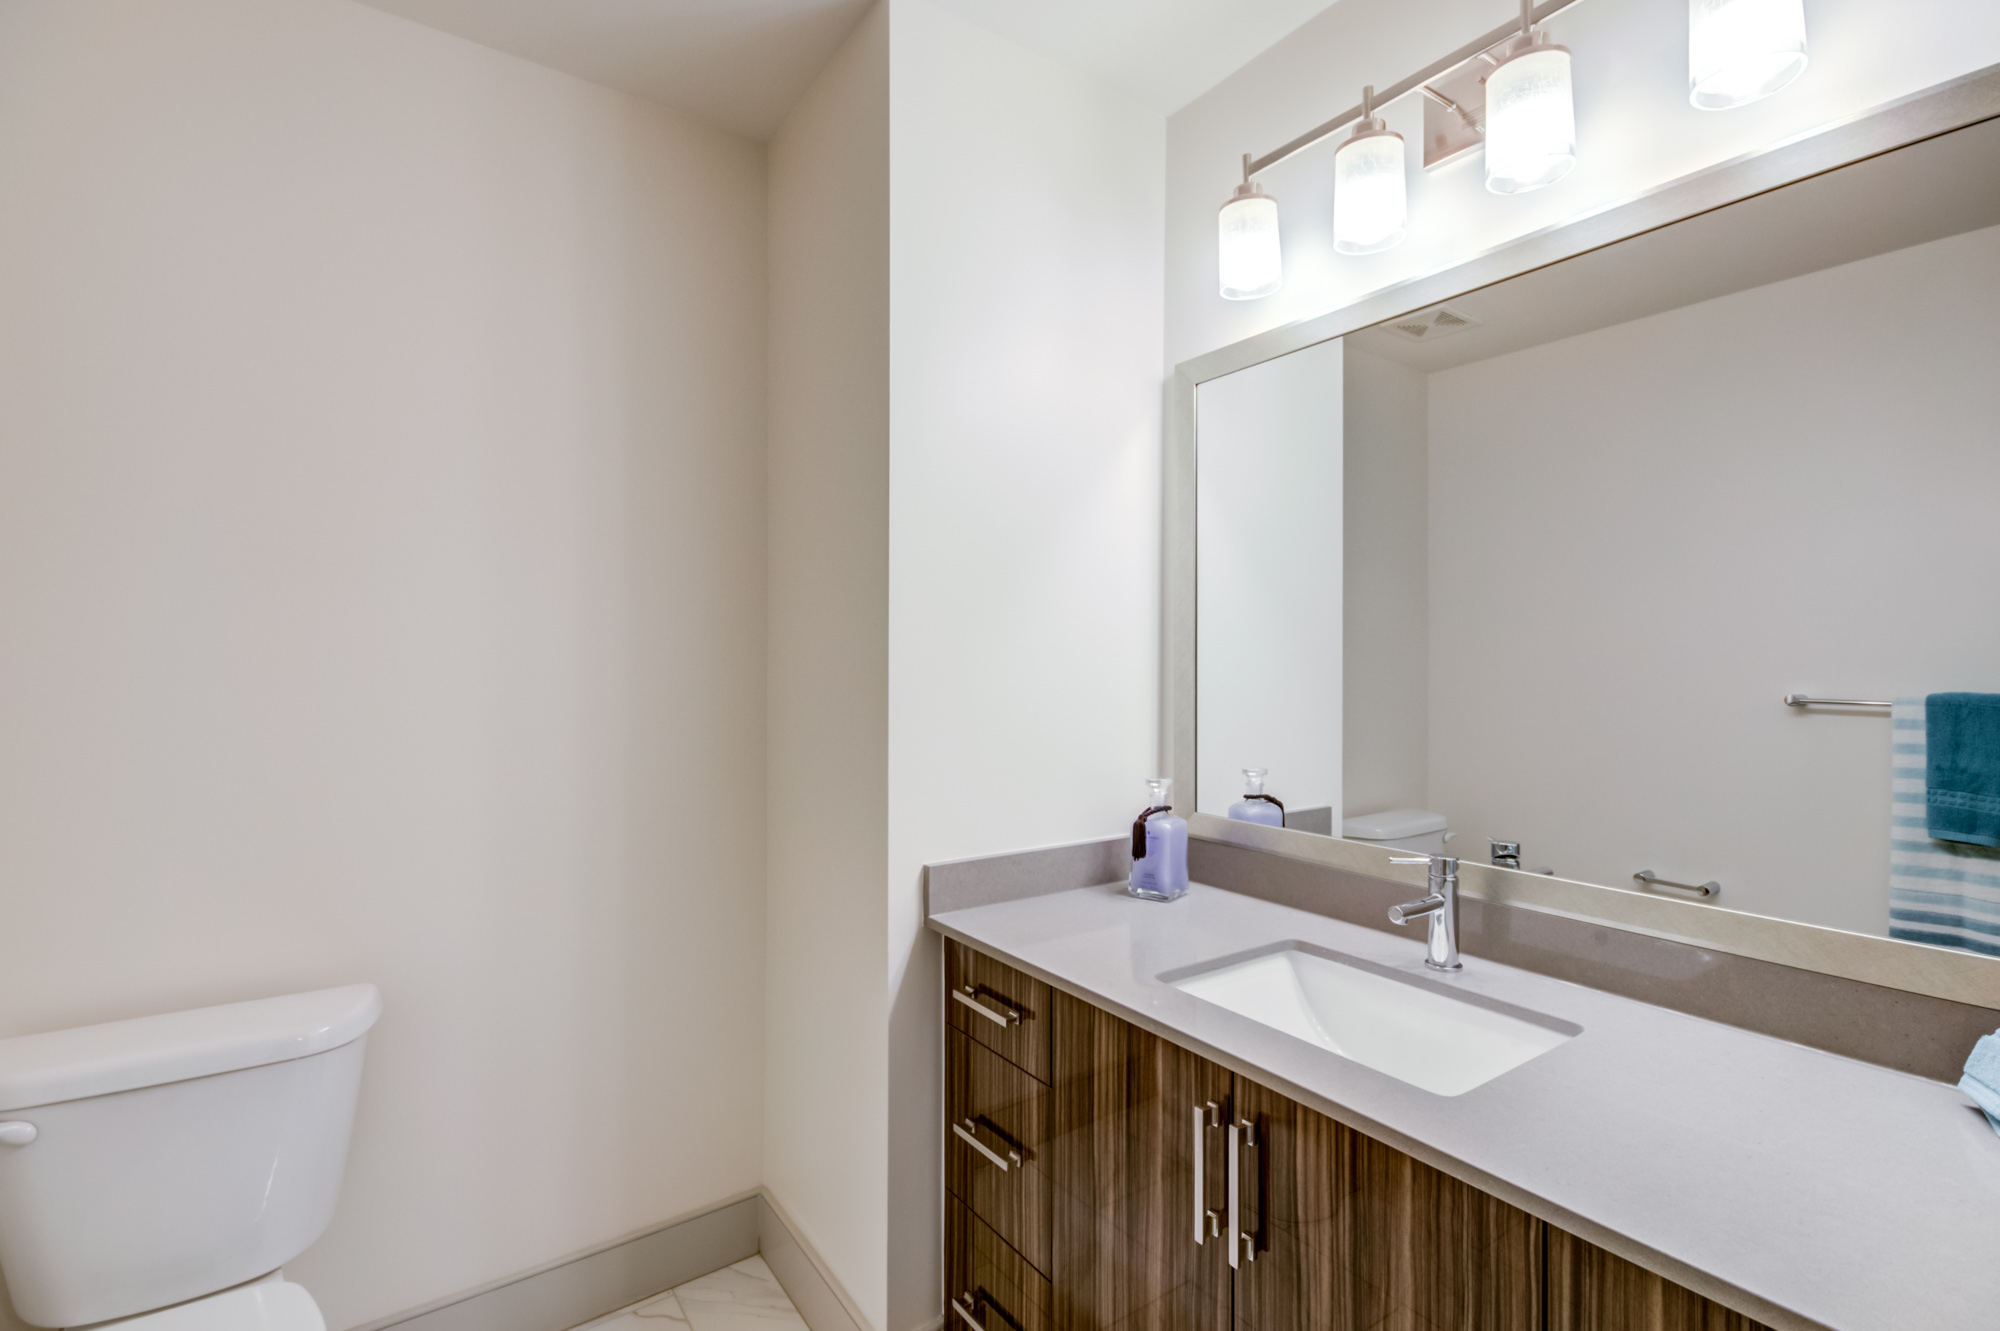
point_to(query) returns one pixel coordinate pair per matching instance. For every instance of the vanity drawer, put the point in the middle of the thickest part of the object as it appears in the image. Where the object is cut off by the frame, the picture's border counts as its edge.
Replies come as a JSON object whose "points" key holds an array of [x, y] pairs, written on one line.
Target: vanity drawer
{"points": [[988, 1285], [998, 1007], [995, 1126]]}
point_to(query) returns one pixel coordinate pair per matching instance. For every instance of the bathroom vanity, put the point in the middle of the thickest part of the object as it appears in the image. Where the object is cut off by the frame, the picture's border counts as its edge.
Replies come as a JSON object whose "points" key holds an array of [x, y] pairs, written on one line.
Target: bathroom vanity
{"points": [[1120, 1150], [1075, 1197]]}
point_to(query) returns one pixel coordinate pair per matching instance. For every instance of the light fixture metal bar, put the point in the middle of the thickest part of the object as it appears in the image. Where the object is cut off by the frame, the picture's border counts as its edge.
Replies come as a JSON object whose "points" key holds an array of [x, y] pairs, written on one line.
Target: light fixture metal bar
{"points": [[1470, 51]]}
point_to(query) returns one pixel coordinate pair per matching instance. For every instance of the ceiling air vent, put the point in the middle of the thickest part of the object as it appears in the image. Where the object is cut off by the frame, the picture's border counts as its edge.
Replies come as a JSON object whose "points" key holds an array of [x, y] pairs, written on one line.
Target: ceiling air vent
{"points": [[1430, 325]]}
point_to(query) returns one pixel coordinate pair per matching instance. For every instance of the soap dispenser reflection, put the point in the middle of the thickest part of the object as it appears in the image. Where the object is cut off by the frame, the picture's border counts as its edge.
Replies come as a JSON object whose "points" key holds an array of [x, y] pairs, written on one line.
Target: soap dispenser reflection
{"points": [[1256, 806], [1159, 846]]}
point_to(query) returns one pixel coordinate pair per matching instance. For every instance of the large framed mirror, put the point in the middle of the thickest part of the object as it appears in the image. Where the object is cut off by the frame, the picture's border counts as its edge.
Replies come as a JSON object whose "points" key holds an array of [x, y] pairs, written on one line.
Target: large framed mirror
{"points": [[1600, 562]]}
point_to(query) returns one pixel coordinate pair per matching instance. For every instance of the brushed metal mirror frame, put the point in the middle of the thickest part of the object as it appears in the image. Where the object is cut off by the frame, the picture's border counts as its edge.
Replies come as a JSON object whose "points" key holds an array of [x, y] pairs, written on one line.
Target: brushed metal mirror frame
{"points": [[1915, 967]]}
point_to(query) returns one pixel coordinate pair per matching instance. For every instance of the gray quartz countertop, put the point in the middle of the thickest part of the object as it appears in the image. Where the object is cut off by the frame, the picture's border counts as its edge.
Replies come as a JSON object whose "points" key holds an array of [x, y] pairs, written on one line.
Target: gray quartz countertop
{"points": [[1800, 1187]]}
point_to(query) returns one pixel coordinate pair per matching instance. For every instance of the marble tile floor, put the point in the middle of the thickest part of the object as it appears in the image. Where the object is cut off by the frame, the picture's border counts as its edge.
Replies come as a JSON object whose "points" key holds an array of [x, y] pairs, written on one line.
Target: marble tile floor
{"points": [[743, 1297]]}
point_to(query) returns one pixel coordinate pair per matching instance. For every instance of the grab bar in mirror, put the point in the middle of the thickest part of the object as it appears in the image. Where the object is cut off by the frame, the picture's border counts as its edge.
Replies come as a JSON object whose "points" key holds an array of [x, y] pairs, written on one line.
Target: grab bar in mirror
{"points": [[1801, 700], [1651, 879]]}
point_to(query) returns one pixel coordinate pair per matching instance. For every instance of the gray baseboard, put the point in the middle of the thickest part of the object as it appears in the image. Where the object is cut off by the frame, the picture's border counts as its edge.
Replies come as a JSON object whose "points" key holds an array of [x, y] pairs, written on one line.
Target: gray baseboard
{"points": [[603, 1280], [811, 1288]]}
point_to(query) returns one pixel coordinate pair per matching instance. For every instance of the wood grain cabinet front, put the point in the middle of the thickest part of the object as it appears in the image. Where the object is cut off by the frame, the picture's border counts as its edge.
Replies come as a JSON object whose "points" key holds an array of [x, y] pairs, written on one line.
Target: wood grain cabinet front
{"points": [[1144, 1188], [1590, 1289], [998, 1007], [995, 1134], [1353, 1235], [988, 1286], [1136, 1167]]}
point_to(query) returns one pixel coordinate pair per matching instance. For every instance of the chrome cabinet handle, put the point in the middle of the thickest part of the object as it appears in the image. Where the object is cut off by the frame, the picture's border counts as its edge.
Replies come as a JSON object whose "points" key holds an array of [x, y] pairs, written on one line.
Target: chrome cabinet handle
{"points": [[1242, 1137], [1200, 1210], [1004, 1018], [966, 1130], [964, 1311], [1235, 1195], [1207, 1114]]}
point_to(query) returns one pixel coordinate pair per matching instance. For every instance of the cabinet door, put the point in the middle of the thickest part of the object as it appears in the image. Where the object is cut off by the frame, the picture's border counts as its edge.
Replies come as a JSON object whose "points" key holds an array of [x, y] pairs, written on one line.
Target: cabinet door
{"points": [[1352, 1235], [1122, 1165], [1593, 1290]]}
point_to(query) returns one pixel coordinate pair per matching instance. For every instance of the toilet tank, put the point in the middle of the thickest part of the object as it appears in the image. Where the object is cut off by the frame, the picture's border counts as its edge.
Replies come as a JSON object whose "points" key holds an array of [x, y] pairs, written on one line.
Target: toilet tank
{"points": [[1418, 830], [170, 1157]]}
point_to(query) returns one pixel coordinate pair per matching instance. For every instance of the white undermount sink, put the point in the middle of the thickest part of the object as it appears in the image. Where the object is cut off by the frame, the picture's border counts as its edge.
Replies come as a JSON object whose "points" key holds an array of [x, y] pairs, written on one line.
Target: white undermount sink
{"points": [[1410, 1029]]}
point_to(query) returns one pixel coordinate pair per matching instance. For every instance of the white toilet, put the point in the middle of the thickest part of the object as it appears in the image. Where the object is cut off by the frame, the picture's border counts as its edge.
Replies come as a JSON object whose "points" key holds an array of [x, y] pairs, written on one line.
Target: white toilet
{"points": [[1418, 830], [156, 1173]]}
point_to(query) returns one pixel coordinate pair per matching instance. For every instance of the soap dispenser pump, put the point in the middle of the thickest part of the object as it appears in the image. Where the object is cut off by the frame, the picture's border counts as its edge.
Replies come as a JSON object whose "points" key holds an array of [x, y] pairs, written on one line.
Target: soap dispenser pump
{"points": [[1256, 806], [1159, 846]]}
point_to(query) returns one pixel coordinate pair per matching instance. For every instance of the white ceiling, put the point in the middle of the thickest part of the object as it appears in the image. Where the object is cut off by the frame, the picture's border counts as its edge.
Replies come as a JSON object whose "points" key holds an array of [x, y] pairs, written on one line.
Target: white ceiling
{"points": [[741, 64], [1165, 53], [737, 64]]}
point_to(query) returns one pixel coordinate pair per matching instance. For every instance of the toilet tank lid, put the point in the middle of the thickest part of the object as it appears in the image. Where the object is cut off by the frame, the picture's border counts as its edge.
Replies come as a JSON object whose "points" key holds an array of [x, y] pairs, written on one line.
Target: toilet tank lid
{"points": [[1392, 825], [176, 1046]]}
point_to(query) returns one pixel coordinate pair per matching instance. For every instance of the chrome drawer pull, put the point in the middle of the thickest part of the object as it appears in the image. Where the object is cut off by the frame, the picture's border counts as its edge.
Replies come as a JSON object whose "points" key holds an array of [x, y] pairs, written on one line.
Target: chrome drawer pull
{"points": [[964, 1311], [1004, 1018], [966, 1129]]}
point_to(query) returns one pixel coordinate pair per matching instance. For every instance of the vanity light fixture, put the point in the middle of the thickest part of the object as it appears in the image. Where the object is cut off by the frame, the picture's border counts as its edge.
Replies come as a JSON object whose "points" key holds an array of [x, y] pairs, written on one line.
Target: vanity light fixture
{"points": [[1740, 51], [1370, 199], [1371, 203], [1250, 260], [1530, 113]]}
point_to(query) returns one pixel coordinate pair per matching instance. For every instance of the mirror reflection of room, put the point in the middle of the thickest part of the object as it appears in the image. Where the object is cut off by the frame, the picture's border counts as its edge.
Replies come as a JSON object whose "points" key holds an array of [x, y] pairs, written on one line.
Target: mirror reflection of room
{"points": [[1605, 527]]}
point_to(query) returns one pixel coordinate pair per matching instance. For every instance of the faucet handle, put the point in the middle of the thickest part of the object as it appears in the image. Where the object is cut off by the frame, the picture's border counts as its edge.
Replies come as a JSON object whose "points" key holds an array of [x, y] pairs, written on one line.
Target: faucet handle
{"points": [[1410, 859]]}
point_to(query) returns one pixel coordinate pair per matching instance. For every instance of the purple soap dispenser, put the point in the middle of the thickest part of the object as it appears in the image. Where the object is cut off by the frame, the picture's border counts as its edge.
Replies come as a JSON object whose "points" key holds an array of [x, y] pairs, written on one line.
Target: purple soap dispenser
{"points": [[1159, 846], [1256, 806]]}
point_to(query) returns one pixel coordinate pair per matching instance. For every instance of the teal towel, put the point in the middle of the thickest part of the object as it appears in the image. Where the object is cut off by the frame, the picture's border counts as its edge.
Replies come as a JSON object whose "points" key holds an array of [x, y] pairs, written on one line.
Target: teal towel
{"points": [[1962, 783], [1982, 1077]]}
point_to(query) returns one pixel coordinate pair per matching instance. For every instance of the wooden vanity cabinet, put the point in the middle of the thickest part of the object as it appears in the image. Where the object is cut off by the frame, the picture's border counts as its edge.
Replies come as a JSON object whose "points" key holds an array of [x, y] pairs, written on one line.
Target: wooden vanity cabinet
{"points": [[1126, 1141], [1123, 1147], [997, 1117], [988, 1284], [1354, 1235], [1590, 1289]]}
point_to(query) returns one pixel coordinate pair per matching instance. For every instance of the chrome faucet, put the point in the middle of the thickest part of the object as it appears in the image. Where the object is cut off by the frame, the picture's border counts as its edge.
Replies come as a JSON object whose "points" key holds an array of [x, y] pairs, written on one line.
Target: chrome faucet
{"points": [[1442, 907]]}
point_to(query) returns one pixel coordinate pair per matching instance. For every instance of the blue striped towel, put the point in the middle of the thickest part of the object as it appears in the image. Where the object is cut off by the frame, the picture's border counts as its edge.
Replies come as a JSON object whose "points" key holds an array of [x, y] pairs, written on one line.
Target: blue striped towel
{"points": [[1945, 893]]}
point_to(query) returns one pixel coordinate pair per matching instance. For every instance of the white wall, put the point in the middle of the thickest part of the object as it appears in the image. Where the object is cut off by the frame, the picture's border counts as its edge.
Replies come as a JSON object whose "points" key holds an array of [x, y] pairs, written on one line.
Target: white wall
{"points": [[826, 1042], [381, 565], [1635, 130], [1680, 519], [1268, 584], [1385, 749], [1024, 507]]}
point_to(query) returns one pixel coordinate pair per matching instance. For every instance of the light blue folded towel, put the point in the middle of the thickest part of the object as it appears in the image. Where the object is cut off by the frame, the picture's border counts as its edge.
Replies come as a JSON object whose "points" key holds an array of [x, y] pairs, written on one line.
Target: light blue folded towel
{"points": [[1982, 1077]]}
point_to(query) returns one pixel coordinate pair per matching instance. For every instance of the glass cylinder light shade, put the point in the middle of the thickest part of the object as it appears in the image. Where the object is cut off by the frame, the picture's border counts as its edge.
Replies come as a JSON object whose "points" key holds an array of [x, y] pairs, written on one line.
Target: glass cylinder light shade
{"points": [[1530, 120], [1741, 50], [1247, 235], [1370, 202]]}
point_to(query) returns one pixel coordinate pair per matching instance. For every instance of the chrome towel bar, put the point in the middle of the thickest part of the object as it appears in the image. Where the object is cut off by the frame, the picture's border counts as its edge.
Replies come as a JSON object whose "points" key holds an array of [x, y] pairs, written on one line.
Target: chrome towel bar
{"points": [[1801, 700], [1651, 879]]}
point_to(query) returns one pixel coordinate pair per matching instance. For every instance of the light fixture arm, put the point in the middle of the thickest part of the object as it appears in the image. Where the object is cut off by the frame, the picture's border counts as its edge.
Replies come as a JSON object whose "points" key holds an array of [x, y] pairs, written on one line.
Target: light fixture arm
{"points": [[1531, 14]]}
